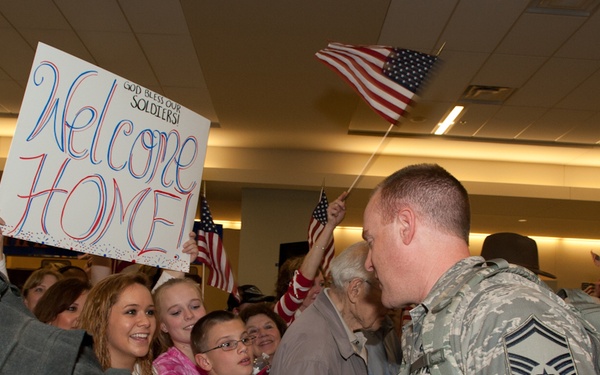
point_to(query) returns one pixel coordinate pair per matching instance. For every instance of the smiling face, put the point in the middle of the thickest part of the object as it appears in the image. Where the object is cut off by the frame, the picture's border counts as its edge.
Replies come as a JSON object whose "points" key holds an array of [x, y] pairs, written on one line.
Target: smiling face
{"points": [[69, 319], [131, 325], [34, 294], [266, 334], [181, 307], [220, 362]]}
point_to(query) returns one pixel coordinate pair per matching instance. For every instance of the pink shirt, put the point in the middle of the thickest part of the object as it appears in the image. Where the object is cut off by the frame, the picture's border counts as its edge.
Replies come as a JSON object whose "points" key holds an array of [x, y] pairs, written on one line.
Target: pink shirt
{"points": [[174, 362]]}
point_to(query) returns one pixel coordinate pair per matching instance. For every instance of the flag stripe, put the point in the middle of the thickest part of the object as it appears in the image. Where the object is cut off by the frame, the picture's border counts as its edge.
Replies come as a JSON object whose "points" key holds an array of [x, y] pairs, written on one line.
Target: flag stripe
{"points": [[385, 77], [373, 95], [212, 253], [376, 58], [383, 94], [315, 228], [389, 114]]}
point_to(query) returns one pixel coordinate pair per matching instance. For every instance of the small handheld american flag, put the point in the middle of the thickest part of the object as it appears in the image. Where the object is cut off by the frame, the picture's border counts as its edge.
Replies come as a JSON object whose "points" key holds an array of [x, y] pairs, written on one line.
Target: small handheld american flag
{"points": [[213, 254], [316, 226]]}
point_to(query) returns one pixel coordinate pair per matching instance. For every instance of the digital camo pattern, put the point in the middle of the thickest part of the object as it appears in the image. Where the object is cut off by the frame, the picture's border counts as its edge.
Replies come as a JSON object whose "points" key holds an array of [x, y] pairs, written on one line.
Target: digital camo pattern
{"points": [[504, 325], [556, 357]]}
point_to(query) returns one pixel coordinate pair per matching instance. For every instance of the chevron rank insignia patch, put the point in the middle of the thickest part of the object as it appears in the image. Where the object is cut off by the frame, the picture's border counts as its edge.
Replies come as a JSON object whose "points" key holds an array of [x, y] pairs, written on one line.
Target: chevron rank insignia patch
{"points": [[538, 350]]}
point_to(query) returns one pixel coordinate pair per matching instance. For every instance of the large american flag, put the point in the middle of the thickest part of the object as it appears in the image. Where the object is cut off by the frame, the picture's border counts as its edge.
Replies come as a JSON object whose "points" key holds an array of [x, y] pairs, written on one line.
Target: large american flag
{"points": [[213, 254], [387, 78], [315, 227]]}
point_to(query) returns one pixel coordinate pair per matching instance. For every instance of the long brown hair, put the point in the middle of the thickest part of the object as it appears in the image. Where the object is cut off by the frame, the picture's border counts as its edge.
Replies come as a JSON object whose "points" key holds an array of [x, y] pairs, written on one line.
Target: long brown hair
{"points": [[286, 274], [59, 297], [95, 315]]}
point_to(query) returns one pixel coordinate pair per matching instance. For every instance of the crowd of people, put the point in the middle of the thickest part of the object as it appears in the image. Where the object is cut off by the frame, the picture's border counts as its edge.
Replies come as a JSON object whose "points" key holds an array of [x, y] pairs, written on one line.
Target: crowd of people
{"points": [[374, 313]]}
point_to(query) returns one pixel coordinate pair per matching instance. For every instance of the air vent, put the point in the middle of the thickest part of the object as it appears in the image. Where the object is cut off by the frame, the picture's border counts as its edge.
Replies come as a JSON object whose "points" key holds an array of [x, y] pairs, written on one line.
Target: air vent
{"points": [[580, 8], [486, 94]]}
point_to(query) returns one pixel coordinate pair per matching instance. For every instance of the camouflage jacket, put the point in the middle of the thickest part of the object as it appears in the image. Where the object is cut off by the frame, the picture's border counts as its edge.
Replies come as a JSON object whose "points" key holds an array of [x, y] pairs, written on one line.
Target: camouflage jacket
{"points": [[504, 325]]}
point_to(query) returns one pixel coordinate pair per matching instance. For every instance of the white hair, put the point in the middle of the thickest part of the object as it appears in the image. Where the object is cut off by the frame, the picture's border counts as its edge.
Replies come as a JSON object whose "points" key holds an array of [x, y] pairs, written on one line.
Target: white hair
{"points": [[350, 264]]}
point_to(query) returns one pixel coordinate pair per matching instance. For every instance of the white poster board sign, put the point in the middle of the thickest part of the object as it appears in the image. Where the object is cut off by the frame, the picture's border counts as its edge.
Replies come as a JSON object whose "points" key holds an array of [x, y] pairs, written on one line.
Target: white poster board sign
{"points": [[101, 165]]}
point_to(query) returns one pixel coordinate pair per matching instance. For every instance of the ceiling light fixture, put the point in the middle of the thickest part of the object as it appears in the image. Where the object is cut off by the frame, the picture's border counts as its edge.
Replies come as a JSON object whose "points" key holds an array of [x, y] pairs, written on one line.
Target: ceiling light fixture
{"points": [[581, 8], [444, 126]]}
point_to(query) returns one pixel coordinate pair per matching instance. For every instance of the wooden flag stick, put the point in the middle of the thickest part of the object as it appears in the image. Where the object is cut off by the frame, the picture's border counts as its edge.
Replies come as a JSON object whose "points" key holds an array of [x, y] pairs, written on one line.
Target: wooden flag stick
{"points": [[372, 155], [441, 48], [203, 283]]}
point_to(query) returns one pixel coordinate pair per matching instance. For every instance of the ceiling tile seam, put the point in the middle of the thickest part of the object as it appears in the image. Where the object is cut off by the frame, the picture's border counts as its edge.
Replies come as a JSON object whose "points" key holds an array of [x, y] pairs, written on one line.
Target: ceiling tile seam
{"points": [[383, 21], [197, 54], [483, 64], [439, 41], [547, 110], [558, 100], [493, 51], [95, 62], [583, 81], [143, 51], [553, 55], [591, 114], [541, 66], [498, 108], [24, 39]]}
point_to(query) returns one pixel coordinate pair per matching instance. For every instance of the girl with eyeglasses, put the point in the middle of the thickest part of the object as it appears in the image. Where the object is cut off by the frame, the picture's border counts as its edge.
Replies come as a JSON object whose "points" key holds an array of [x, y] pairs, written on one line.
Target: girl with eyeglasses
{"points": [[221, 344]]}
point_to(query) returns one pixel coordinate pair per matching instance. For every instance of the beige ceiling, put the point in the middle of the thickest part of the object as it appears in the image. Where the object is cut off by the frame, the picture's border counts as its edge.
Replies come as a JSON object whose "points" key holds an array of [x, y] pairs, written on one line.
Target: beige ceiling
{"points": [[282, 119]]}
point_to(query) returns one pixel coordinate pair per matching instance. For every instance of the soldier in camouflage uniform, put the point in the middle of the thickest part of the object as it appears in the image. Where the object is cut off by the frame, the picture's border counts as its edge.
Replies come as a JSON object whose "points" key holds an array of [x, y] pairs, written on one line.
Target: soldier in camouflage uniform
{"points": [[417, 226]]}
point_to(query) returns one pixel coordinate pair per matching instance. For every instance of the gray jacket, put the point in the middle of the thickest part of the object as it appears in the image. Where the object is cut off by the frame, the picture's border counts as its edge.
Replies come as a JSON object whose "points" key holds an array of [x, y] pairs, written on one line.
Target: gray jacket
{"points": [[317, 344], [28, 346]]}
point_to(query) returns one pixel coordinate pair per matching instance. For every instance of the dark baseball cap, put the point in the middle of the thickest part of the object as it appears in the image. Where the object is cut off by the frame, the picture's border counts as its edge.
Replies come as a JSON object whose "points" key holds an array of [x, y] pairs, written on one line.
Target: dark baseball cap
{"points": [[248, 294]]}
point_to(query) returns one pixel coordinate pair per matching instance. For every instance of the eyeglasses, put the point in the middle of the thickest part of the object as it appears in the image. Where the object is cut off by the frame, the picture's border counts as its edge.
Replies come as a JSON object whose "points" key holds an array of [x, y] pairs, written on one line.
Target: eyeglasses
{"points": [[232, 344]]}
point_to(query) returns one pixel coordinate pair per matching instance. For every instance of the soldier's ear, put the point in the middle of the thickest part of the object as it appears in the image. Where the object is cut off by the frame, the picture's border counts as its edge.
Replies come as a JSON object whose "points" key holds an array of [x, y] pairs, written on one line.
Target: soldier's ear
{"points": [[406, 221]]}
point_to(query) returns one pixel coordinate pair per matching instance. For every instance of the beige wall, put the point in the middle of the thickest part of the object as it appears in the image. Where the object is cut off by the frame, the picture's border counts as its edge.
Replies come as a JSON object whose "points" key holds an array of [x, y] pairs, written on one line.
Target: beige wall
{"points": [[566, 258], [271, 217]]}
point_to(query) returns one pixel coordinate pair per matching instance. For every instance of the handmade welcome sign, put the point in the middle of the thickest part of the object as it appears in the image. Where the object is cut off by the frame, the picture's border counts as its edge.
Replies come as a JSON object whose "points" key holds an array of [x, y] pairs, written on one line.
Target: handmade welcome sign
{"points": [[101, 165]]}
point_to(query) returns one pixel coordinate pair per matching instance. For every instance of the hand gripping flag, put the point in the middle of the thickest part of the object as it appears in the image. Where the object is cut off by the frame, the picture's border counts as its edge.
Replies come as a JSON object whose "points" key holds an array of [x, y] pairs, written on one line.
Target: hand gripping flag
{"points": [[212, 253], [387, 78], [316, 226]]}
